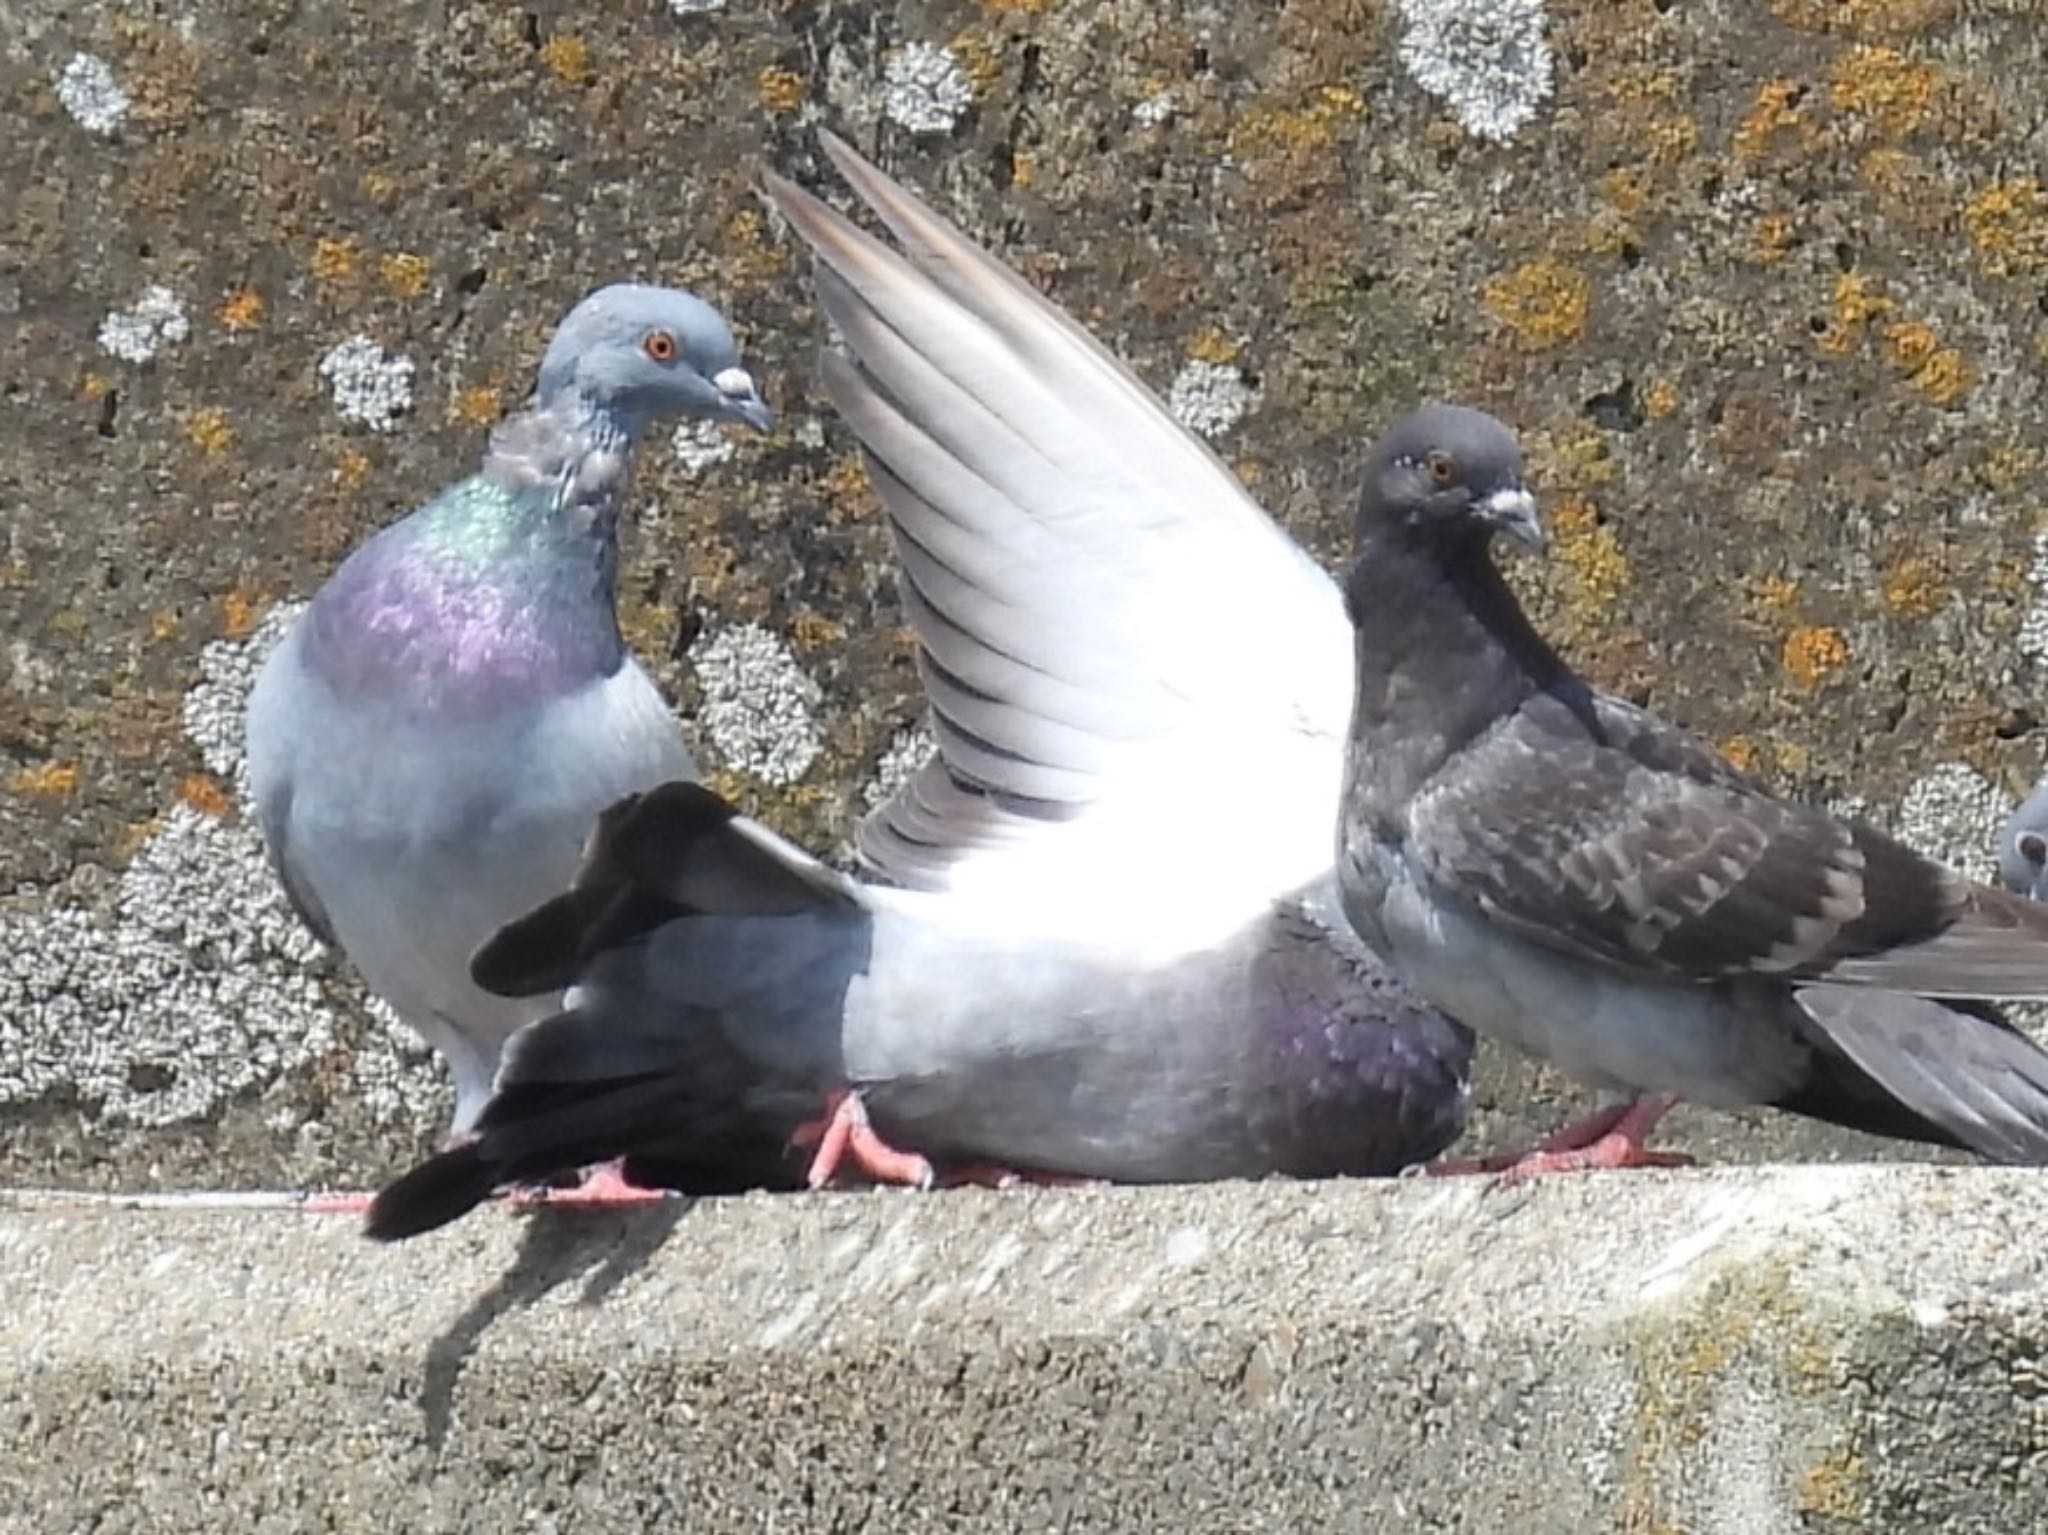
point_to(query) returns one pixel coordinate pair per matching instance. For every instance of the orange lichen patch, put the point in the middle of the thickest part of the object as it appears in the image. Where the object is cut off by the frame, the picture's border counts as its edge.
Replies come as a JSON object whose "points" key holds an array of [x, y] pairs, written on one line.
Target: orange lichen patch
{"points": [[1626, 188], [50, 780], [1914, 586], [980, 59], [1211, 345], [241, 310], [1774, 236], [1591, 556], [846, 490], [1306, 129], [91, 387], [2008, 223], [203, 792], [1884, 88], [1577, 462], [1832, 1488], [405, 274], [1740, 750], [811, 631], [350, 468], [479, 405], [567, 58], [1937, 371], [1017, 7], [1023, 169], [335, 260], [1864, 18], [2011, 464], [238, 611], [1774, 593], [379, 187], [1854, 303], [209, 431], [1775, 111], [779, 90], [1672, 139], [1542, 303], [163, 624], [1249, 472], [751, 253], [1660, 398], [1812, 652]]}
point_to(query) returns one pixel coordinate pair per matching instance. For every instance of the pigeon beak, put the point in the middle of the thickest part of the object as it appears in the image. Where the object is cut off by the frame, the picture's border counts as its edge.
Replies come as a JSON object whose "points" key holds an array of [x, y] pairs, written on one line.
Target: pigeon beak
{"points": [[743, 401], [1513, 512]]}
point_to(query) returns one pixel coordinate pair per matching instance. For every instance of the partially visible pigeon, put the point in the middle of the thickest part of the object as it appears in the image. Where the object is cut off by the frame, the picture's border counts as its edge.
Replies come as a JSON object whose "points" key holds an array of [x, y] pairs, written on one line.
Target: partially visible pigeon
{"points": [[1111, 947], [1570, 874], [2023, 847], [432, 742]]}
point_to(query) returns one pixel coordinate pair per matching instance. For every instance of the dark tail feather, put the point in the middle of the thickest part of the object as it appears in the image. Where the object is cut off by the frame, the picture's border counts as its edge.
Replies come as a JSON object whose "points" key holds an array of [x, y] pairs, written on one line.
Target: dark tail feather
{"points": [[674, 851], [441, 1189], [1977, 1081]]}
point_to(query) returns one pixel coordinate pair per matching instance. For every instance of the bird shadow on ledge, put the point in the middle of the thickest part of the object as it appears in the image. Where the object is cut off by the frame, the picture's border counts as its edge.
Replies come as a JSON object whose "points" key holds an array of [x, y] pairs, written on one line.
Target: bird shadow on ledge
{"points": [[559, 1247]]}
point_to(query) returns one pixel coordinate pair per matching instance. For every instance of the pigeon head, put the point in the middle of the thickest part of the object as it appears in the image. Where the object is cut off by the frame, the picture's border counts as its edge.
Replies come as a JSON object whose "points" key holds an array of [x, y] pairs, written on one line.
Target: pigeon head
{"points": [[2023, 848], [1451, 476], [634, 353]]}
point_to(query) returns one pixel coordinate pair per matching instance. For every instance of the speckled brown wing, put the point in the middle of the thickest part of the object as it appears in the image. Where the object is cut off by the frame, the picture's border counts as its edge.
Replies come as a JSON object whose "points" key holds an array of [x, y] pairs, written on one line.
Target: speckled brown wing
{"points": [[1591, 827]]}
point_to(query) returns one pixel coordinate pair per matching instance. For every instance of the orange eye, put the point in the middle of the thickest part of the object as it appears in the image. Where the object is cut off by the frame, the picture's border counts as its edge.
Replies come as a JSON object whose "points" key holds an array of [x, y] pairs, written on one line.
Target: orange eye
{"points": [[659, 345], [1441, 469]]}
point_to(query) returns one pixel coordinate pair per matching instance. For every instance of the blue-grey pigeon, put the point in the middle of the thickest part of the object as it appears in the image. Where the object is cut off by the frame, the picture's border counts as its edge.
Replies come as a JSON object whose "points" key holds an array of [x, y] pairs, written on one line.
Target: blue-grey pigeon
{"points": [[432, 742], [1108, 944], [1572, 875], [2023, 847]]}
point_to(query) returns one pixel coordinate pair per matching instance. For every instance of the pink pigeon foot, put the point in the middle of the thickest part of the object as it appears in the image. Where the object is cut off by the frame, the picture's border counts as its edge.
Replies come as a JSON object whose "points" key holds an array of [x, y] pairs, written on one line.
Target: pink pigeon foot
{"points": [[842, 1135], [334, 1203], [1611, 1138], [604, 1187]]}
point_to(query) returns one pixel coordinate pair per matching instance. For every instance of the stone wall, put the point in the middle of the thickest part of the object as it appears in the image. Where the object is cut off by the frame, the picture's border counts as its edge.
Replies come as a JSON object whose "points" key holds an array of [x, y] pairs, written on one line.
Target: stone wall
{"points": [[1765, 287]]}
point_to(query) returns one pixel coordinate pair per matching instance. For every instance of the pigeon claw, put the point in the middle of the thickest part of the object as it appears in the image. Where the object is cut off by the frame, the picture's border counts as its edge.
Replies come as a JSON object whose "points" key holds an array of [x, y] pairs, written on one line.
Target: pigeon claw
{"points": [[603, 1187], [843, 1136], [1611, 1138], [995, 1175]]}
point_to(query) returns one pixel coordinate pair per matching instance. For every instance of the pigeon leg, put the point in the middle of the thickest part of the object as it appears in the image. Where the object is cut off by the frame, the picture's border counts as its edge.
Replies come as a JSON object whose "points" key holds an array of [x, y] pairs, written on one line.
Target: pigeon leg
{"points": [[603, 1187], [1610, 1137], [842, 1134]]}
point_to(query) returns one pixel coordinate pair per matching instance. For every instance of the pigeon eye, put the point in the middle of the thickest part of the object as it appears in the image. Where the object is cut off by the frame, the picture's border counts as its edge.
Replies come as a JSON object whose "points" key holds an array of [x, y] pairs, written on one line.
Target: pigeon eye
{"points": [[659, 345], [1440, 468], [2033, 848]]}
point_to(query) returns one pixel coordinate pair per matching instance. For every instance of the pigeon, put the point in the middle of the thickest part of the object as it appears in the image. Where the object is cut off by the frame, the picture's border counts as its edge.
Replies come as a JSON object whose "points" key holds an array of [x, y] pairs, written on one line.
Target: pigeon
{"points": [[1570, 874], [1097, 935], [2023, 847], [432, 741]]}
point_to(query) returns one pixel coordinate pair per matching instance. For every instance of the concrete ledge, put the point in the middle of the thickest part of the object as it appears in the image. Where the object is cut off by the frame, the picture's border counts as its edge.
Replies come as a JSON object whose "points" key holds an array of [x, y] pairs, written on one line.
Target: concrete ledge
{"points": [[1745, 1350]]}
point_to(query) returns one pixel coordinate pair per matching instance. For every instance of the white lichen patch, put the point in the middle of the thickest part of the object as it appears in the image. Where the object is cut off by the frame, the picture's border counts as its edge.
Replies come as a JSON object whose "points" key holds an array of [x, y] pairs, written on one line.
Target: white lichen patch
{"points": [[2034, 626], [368, 384], [1154, 109], [201, 985], [146, 327], [760, 708], [1209, 398], [924, 89], [215, 705], [912, 748], [694, 7], [1954, 813], [1485, 59], [700, 444], [87, 89]]}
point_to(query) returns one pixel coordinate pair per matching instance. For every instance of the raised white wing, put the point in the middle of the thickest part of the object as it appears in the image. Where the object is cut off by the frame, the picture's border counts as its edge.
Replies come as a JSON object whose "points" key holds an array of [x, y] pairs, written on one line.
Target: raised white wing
{"points": [[1139, 683]]}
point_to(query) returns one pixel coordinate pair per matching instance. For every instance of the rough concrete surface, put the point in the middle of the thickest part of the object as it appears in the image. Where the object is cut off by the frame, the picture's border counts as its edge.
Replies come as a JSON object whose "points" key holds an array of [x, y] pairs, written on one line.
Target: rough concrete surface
{"points": [[1740, 1352], [1761, 283]]}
